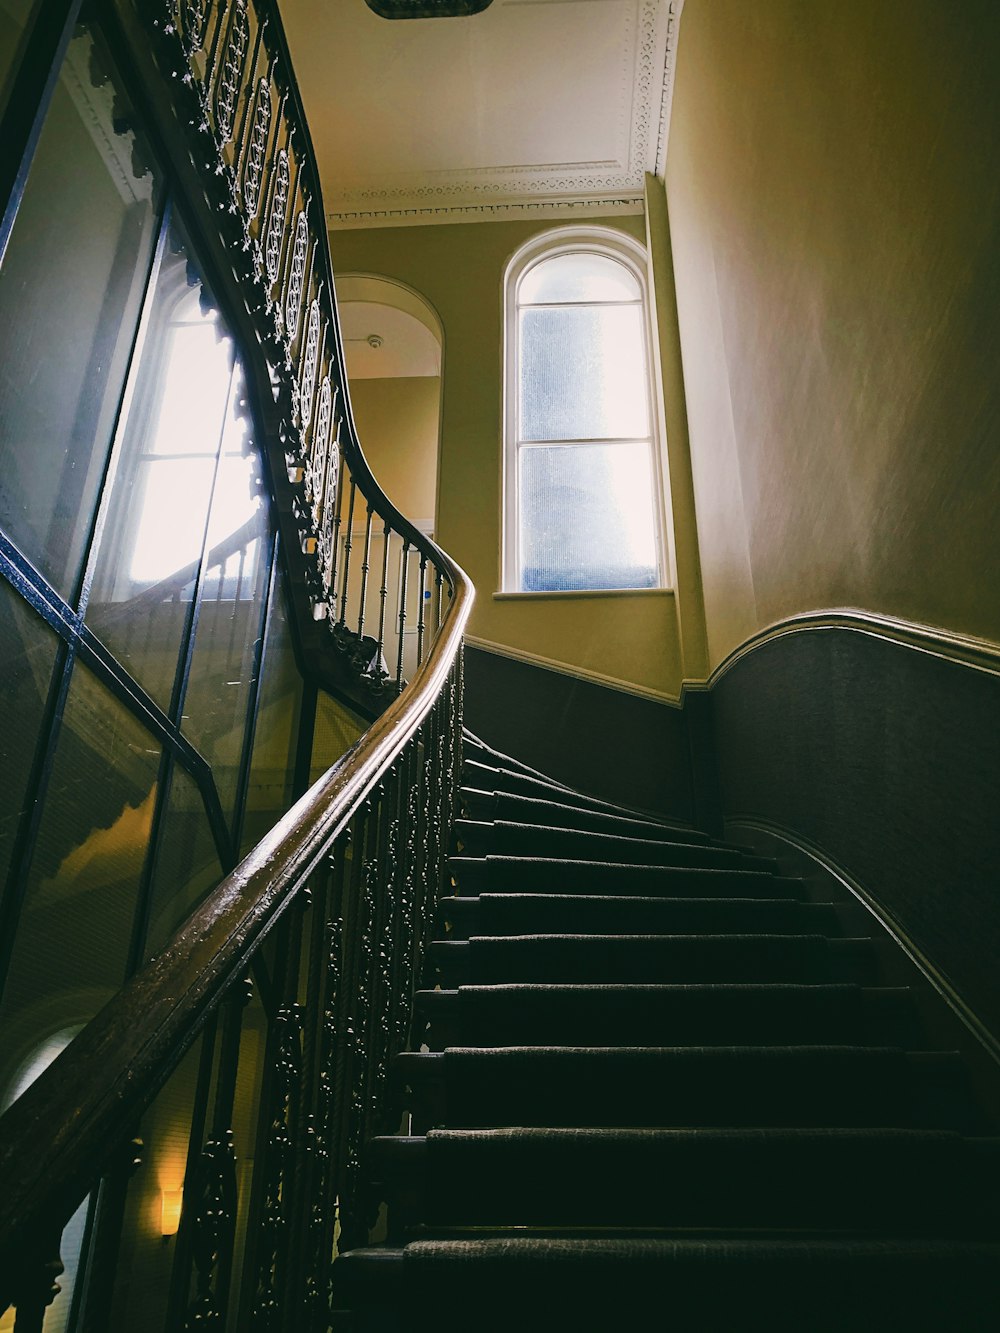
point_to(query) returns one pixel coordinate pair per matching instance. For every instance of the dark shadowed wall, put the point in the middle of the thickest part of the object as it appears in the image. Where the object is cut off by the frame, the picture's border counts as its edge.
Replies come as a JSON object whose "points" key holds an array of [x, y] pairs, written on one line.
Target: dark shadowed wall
{"points": [[833, 188]]}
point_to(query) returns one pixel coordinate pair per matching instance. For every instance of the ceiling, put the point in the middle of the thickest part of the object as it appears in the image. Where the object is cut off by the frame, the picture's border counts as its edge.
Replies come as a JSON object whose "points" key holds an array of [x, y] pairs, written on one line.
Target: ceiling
{"points": [[532, 107]]}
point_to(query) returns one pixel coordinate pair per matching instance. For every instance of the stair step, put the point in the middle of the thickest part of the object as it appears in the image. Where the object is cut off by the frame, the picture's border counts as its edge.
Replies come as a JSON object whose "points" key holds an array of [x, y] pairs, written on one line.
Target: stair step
{"points": [[505, 838], [699, 1285], [663, 1087], [530, 913], [490, 777], [490, 805], [908, 1181], [519, 874], [628, 1015], [485, 777], [597, 959]]}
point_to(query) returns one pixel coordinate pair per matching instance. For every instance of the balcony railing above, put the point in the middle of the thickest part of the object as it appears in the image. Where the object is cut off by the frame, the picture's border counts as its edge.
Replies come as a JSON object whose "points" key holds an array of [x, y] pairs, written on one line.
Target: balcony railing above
{"points": [[371, 586]]}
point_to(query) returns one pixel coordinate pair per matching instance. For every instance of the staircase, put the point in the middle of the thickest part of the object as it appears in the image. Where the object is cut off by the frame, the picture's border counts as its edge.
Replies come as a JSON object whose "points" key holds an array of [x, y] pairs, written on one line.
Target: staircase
{"points": [[654, 1083]]}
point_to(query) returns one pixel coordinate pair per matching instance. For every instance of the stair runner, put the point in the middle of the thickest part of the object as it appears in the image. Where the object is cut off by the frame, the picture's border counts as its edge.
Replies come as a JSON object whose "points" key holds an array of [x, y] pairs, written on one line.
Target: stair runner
{"points": [[653, 1083]]}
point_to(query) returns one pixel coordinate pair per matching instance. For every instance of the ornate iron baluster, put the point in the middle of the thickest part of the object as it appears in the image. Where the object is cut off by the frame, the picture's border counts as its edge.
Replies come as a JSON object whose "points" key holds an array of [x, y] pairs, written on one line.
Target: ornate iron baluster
{"points": [[381, 673], [352, 1220], [193, 15], [365, 566], [402, 615], [409, 940], [310, 357], [420, 614], [342, 621], [277, 223], [256, 154], [275, 1167], [214, 1230], [227, 89], [296, 275], [247, 87], [331, 522]]}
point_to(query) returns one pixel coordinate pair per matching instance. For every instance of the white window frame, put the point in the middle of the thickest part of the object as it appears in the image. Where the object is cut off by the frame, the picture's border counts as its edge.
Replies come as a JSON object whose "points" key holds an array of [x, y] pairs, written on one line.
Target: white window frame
{"points": [[548, 245]]}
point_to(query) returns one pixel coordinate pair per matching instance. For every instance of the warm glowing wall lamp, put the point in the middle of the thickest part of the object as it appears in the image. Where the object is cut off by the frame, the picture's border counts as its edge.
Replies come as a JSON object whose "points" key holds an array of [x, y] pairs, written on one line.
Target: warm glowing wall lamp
{"points": [[170, 1212]]}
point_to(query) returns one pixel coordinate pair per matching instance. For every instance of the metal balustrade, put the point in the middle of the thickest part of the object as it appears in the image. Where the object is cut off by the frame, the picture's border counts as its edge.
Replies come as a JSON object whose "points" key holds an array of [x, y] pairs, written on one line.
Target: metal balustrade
{"points": [[267, 1024]]}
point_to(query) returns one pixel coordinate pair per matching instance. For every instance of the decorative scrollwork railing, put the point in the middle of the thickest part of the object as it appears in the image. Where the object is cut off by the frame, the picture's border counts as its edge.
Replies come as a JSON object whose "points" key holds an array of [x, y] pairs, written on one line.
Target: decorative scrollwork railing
{"points": [[328, 916], [233, 95], [273, 1013]]}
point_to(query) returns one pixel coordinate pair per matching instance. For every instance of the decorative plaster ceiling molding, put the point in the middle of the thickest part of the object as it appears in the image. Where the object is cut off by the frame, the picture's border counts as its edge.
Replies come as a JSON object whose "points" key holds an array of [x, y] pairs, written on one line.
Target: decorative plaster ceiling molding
{"points": [[483, 193], [498, 212], [674, 8]]}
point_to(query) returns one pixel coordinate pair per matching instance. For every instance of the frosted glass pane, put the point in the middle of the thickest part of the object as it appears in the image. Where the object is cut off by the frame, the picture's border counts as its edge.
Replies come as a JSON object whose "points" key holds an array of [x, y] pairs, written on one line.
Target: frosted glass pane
{"points": [[71, 288], [578, 278], [27, 653], [72, 941], [234, 589], [153, 535], [582, 373], [187, 864], [272, 768], [587, 518]]}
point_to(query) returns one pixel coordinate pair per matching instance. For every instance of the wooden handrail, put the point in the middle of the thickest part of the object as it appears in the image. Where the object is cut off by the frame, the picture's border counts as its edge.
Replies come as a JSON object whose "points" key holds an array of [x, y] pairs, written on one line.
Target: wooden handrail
{"points": [[70, 1126], [56, 1135]]}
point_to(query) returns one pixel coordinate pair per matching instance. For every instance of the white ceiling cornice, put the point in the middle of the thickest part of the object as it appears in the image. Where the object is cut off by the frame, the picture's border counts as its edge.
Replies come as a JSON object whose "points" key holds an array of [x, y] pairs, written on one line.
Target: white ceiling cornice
{"points": [[610, 88]]}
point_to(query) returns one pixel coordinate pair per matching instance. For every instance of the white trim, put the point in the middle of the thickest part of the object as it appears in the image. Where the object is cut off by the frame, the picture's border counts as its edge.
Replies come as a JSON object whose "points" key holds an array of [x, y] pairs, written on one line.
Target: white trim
{"points": [[674, 9], [537, 189], [964, 650], [628, 205], [980, 654], [581, 673], [569, 593], [627, 251]]}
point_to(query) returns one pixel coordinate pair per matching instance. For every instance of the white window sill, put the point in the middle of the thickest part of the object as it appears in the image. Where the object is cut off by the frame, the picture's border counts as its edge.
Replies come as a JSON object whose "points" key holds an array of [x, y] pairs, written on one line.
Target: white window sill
{"points": [[581, 592]]}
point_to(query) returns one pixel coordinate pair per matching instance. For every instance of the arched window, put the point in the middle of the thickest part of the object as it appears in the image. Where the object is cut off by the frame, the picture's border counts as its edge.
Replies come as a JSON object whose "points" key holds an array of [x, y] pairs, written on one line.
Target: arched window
{"points": [[582, 479]]}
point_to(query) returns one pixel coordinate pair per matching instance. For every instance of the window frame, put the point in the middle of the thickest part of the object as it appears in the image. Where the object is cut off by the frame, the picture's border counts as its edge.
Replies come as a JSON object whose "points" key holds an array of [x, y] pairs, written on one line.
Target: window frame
{"points": [[611, 244]]}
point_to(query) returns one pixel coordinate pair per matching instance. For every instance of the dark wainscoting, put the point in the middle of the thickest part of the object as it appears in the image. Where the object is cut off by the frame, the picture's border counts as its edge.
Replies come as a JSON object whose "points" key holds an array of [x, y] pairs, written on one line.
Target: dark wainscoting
{"points": [[617, 746], [887, 760]]}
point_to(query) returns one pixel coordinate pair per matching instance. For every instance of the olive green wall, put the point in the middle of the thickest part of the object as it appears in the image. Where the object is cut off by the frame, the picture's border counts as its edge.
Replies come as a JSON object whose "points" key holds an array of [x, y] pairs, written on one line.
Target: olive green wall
{"points": [[833, 182], [459, 269], [397, 421]]}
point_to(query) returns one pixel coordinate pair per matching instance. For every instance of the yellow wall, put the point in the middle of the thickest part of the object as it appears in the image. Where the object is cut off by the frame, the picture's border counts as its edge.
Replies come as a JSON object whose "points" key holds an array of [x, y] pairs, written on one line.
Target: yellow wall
{"points": [[397, 421], [459, 269], [833, 181]]}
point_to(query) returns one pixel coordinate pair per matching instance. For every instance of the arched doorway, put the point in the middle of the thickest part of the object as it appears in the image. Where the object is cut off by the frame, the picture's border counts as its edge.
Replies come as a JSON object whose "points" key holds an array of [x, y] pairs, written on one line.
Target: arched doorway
{"points": [[393, 342]]}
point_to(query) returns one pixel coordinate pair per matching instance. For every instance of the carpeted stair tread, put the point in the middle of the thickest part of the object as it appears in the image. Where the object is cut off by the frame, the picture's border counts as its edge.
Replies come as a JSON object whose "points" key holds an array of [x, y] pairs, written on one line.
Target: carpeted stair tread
{"points": [[490, 805], [713, 1014], [705, 1285], [485, 777], [786, 1086], [506, 838], [516, 874], [637, 1030], [833, 1179], [537, 913], [653, 958]]}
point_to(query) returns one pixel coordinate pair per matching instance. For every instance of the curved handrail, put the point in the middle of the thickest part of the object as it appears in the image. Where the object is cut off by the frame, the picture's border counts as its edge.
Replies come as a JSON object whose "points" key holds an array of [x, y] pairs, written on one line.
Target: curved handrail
{"points": [[239, 146], [226, 84], [89, 1098]]}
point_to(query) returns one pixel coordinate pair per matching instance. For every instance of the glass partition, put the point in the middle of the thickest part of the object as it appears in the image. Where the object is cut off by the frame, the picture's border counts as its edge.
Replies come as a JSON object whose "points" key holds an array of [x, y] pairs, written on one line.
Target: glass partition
{"points": [[69, 313], [82, 886], [180, 401]]}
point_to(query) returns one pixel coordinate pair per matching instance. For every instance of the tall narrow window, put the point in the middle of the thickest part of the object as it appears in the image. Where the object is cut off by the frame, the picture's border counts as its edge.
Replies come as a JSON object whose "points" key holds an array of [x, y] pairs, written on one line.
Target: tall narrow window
{"points": [[582, 478]]}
